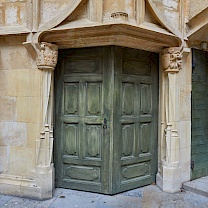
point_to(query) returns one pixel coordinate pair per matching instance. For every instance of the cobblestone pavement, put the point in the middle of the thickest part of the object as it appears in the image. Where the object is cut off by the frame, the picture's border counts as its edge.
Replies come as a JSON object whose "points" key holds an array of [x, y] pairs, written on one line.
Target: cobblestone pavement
{"points": [[147, 197]]}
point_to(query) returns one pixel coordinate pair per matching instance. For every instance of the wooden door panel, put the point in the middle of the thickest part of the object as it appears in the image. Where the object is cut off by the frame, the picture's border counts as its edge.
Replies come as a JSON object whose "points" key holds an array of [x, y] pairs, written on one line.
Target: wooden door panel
{"points": [[93, 141], [128, 140], [83, 173], [128, 95], [71, 140], [146, 98], [94, 98], [134, 171], [145, 136], [135, 117], [81, 162]]}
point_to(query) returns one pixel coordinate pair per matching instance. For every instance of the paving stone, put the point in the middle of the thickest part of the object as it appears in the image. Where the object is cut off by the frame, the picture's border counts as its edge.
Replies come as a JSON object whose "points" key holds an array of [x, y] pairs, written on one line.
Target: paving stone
{"points": [[135, 193], [73, 202], [146, 197], [119, 201], [5, 199], [17, 202], [195, 199], [176, 204]]}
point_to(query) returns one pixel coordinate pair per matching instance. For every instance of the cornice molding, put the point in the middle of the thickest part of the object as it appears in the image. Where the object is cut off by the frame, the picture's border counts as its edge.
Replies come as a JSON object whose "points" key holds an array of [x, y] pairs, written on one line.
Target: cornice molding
{"points": [[113, 34]]}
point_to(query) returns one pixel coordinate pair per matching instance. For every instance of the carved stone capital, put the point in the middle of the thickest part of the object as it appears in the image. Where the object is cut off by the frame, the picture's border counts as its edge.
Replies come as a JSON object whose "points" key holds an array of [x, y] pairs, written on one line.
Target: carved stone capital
{"points": [[47, 55], [171, 59]]}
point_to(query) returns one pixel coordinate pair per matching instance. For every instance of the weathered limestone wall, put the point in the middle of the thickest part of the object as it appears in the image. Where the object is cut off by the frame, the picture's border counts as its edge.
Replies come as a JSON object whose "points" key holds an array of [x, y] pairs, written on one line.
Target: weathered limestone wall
{"points": [[20, 110], [50, 8], [195, 7], [169, 10], [13, 12]]}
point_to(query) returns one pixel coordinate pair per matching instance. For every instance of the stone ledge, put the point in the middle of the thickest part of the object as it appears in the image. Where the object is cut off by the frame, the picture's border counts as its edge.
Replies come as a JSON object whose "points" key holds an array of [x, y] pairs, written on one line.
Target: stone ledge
{"points": [[198, 186], [26, 187], [19, 186]]}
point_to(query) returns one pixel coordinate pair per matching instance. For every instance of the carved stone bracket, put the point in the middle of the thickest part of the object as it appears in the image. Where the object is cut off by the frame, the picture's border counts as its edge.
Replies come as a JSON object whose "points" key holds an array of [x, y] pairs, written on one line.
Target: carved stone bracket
{"points": [[47, 55], [171, 59]]}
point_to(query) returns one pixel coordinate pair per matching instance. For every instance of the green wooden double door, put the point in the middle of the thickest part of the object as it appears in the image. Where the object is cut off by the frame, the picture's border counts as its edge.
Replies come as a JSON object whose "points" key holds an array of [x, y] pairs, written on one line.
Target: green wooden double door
{"points": [[106, 119]]}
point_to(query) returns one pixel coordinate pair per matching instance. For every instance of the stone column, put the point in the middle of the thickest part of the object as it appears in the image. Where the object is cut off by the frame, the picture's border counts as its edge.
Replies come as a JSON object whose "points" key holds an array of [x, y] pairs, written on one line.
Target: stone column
{"points": [[168, 177], [47, 54]]}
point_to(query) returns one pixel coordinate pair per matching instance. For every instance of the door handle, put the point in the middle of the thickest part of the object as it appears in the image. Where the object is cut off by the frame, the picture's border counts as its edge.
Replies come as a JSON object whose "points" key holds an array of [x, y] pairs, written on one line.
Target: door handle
{"points": [[105, 123]]}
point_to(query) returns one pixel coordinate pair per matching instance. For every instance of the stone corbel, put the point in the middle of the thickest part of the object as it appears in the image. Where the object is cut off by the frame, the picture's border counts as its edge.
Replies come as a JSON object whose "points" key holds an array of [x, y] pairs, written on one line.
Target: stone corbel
{"points": [[171, 59], [45, 54]]}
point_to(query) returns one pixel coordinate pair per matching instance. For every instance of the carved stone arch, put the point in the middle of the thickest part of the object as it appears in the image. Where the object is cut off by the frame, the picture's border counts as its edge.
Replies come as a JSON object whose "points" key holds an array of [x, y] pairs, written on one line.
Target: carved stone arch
{"points": [[72, 5]]}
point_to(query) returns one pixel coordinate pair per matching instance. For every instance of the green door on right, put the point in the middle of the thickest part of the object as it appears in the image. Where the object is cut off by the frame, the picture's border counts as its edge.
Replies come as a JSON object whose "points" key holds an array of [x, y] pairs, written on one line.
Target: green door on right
{"points": [[199, 131], [106, 119]]}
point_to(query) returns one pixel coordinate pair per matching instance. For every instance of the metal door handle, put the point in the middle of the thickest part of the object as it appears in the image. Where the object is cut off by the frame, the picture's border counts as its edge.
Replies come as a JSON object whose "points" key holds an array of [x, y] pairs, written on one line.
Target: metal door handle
{"points": [[105, 123]]}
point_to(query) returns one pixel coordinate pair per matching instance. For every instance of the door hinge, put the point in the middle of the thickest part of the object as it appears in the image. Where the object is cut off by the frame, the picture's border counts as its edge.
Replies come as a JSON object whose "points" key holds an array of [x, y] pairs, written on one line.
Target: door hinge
{"points": [[192, 165]]}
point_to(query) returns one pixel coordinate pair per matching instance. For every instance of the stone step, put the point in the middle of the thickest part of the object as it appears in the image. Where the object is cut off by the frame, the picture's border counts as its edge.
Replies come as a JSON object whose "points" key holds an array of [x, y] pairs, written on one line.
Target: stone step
{"points": [[198, 186]]}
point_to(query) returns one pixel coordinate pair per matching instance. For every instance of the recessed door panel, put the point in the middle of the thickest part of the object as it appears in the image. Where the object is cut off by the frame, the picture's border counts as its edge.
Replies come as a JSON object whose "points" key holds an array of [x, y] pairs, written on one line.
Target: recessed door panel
{"points": [[145, 98], [128, 98], [71, 98], [71, 132], [93, 141], [94, 98], [145, 136], [128, 139]]}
